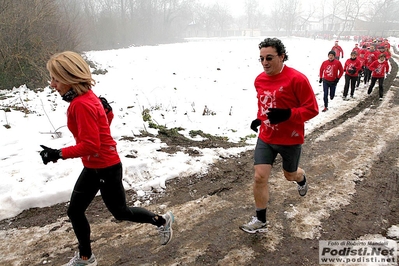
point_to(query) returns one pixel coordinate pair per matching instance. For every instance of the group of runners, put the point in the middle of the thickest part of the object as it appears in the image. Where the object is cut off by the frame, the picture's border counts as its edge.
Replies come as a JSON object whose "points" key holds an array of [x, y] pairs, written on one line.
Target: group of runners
{"points": [[367, 64]]}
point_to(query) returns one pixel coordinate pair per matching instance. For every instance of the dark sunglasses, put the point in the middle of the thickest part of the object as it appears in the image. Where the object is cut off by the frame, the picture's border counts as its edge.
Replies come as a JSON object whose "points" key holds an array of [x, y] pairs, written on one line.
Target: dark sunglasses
{"points": [[267, 58]]}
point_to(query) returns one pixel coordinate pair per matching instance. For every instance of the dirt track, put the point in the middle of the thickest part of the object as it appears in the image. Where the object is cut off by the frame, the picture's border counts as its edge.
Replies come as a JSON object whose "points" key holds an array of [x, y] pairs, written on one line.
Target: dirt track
{"points": [[352, 167]]}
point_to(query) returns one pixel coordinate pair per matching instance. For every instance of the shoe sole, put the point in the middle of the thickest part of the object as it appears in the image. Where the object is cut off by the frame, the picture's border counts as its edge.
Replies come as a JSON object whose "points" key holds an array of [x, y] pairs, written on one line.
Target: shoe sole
{"points": [[91, 264], [171, 236], [262, 230], [305, 191], [306, 185], [172, 220]]}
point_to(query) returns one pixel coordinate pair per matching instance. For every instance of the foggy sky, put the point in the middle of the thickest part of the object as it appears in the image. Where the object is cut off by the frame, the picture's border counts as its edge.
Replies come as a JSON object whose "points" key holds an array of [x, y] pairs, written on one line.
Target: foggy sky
{"points": [[236, 7]]}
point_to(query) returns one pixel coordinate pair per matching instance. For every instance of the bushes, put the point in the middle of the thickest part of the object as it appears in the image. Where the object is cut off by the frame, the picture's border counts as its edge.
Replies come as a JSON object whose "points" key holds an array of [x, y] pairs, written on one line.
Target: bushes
{"points": [[30, 32]]}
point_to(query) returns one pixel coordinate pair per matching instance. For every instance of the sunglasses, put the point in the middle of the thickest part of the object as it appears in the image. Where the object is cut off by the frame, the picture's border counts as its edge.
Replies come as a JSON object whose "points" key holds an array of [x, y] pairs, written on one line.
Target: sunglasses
{"points": [[267, 58]]}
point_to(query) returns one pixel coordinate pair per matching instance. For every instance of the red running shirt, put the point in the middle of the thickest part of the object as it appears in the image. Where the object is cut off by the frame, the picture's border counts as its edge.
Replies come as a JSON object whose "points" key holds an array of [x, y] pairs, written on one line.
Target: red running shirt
{"points": [[331, 70], [288, 89], [379, 69], [89, 125]]}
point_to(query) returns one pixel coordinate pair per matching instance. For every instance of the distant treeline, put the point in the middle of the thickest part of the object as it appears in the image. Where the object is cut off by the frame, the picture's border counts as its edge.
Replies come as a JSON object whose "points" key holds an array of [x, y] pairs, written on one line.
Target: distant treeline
{"points": [[32, 30]]}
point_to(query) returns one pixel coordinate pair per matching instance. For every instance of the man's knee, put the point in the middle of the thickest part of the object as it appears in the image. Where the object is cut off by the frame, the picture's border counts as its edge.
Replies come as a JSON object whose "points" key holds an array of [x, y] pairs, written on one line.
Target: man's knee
{"points": [[290, 176], [259, 179]]}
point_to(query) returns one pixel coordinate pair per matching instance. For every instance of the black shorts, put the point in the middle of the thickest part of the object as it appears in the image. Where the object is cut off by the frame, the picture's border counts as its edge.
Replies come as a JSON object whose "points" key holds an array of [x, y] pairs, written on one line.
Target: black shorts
{"points": [[267, 153]]}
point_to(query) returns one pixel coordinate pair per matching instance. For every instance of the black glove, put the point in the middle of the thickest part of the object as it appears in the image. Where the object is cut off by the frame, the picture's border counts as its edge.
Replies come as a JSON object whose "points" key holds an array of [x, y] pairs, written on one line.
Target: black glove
{"points": [[278, 115], [255, 124], [50, 155], [336, 80], [352, 71], [106, 105], [320, 80]]}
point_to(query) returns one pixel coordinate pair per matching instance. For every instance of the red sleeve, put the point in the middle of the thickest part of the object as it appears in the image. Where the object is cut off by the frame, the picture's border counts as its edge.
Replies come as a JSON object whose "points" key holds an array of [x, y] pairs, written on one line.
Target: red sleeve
{"points": [[308, 107], [372, 66], [87, 135], [110, 117], [358, 66], [321, 69], [346, 65], [340, 69]]}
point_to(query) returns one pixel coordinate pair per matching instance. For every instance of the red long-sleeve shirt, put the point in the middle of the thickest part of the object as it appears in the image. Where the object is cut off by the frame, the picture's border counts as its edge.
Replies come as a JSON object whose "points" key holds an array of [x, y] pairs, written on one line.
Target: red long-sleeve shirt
{"points": [[387, 54], [379, 69], [355, 64], [370, 56], [89, 125], [357, 50], [331, 70], [288, 89], [338, 51], [362, 61]]}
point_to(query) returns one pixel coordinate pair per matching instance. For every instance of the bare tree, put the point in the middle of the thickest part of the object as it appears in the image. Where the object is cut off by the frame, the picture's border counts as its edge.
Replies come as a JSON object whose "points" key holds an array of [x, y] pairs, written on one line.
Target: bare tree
{"points": [[350, 12], [277, 12], [306, 13], [251, 7], [285, 14], [30, 32], [205, 19], [222, 16], [176, 14], [381, 14]]}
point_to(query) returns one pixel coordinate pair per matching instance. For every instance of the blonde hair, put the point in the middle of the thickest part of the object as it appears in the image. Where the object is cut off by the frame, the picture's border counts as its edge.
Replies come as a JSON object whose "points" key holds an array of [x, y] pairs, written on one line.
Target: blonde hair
{"points": [[71, 69]]}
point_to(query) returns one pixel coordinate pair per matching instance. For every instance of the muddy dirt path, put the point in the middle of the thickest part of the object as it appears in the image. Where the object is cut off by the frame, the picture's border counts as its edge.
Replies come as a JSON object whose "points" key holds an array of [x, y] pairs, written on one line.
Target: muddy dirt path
{"points": [[352, 167]]}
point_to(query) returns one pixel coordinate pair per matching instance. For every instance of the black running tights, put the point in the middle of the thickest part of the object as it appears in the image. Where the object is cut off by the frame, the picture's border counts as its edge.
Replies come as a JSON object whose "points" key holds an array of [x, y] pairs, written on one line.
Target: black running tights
{"points": [[109, 182]]}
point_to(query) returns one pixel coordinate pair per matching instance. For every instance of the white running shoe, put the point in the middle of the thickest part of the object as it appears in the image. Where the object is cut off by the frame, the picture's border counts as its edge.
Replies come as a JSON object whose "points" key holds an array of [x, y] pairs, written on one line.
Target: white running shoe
{"points": [[77, 261], [303, 189], [165, 231], [254, 226]]}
